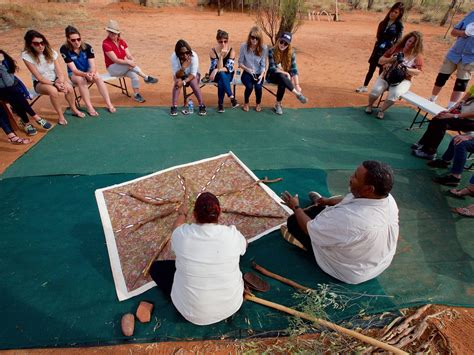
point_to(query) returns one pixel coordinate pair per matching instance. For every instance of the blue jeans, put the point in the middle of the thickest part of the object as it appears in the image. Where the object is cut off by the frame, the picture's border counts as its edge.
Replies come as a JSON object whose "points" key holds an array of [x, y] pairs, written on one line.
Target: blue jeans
{"points": [[4, 122], [249, 84], [458, 154], [223, 80]]}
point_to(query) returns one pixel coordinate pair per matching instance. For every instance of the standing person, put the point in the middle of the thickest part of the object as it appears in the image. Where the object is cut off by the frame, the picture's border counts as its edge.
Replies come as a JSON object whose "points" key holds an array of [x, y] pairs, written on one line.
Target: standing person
{"points": [[406, 57], [460, 58], [222, 69], [79, 58], [252, 60], [354, 238], [283, 72], [185, 67], [11, 91], [120, 62], [205, 282], [389, 31], [48, 78]]}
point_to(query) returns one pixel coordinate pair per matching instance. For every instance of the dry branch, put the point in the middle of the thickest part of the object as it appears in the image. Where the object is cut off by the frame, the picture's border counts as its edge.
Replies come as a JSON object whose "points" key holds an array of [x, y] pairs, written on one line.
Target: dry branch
{"points": [[279, 278]]}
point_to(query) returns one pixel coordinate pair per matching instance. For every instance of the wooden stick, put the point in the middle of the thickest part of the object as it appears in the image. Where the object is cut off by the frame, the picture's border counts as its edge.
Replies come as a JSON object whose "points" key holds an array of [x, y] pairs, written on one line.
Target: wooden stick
{"points": [[352, 333], [279, 278], [151, 200], [249, 186], [247, 214]]}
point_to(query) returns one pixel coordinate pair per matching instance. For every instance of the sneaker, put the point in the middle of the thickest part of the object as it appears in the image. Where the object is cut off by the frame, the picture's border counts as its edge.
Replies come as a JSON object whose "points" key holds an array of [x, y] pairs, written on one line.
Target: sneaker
{"points": [[278, 109], [369, 110], [448, 180], [314, 197], [151, 80], [28, 128], [302, 98], [174, 111], [290, 238], [43, 123], [362, 89], [423, 155], [202, 110], [234, 102], [138, 98], [416, 146], [220, 108], [438, 163]]}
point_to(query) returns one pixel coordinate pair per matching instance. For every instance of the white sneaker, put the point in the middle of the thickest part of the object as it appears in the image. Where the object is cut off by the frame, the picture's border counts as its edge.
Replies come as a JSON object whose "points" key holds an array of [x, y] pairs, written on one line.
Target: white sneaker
{"points": [[362, 89]]}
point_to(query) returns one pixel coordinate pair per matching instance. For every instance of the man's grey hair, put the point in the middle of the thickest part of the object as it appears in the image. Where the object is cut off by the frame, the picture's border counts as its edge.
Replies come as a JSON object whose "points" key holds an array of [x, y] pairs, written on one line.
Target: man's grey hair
{"points": [[379, 175]]}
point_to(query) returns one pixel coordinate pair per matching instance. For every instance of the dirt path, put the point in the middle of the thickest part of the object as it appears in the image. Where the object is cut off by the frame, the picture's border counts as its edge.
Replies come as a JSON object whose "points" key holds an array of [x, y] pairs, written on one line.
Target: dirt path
{"points": [[332, 60]]}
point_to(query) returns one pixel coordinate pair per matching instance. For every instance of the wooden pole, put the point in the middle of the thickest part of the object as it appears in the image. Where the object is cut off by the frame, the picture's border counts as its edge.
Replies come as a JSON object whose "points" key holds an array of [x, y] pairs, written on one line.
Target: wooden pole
{"points": [[352, 333], [279, 278]]}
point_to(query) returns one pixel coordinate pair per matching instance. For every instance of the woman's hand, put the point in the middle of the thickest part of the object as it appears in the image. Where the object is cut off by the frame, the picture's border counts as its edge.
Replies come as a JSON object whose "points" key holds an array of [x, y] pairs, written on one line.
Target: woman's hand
{"points": [[179, 83], [460, 138]]}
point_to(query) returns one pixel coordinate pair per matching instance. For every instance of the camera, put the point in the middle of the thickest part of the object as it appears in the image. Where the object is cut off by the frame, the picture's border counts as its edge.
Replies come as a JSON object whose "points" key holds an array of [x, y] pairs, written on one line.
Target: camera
{"points": [[400, 57]]}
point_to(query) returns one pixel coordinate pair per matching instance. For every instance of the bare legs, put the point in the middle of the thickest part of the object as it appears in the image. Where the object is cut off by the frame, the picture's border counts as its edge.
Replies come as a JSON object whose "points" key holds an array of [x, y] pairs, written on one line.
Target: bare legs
{"points": [[55, 98], [83, 86]]}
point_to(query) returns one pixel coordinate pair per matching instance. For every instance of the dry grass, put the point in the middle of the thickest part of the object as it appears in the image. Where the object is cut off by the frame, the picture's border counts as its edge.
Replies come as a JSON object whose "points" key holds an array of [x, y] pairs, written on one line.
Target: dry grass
{"points": [[29, 16]]}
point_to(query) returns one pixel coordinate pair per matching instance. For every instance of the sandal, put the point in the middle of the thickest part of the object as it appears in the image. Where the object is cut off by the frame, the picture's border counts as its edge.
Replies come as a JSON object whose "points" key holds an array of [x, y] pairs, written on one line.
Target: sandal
{"points": [[465, 211], [380, 115], [256, 283], [369, 110], [112, 109], [258, 108], [18, 141], [461, 193], [290, 238], [79, 114], [245, 108], [62, 122], [93, 114]]}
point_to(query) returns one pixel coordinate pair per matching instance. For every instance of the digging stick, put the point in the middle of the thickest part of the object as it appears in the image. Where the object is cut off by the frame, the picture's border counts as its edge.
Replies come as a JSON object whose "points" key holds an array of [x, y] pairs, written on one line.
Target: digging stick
{"points": [[338, 328], [279, 278]]}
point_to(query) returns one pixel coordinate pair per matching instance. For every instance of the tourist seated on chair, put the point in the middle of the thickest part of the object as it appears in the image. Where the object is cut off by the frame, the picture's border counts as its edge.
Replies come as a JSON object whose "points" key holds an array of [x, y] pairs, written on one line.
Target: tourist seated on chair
{"points": [[205, 282], [467, 191], [221, 70], [252, 60], [282, 71], [79, 58], [120, 62], [354, 238], [457, 151], [401, 63], [13, 92], [48, 78], [458, 118], [7, 128], [185, 66]]}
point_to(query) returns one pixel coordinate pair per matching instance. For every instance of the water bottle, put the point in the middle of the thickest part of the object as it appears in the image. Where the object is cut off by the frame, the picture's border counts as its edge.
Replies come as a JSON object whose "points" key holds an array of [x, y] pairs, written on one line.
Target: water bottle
{"points": [[190, 107]]}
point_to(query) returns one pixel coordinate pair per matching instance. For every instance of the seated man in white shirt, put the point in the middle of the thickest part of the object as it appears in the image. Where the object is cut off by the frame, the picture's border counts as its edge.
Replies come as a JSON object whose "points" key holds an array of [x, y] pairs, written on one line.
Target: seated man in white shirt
{"points": [[353, 238]]}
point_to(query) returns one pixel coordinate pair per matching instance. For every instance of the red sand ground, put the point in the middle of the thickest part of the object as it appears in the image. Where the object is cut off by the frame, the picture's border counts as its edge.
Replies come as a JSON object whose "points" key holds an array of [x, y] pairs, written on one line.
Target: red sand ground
{"points": [[332, 60]]}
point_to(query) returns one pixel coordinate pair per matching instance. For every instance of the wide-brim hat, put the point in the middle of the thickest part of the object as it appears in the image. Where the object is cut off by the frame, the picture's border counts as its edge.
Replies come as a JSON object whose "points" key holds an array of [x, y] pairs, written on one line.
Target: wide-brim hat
{"points": [[286, 36], [113, 27]]}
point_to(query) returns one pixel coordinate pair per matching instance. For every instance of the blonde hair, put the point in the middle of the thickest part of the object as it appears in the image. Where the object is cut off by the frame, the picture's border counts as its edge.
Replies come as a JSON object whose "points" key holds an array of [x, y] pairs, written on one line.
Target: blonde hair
{"points": [[256, 32]]}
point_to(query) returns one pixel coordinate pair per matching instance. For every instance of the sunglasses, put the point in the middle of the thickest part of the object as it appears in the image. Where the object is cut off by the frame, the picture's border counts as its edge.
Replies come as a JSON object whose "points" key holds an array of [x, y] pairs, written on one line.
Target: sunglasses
{"points": [[37, 44], [253, 37], [181, 54], [283, 43], [224, 41], [75, 39]]}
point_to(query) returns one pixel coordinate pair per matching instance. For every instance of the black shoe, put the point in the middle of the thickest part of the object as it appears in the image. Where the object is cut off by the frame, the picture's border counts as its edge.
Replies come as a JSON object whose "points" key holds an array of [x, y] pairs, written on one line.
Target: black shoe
{"points": [[202, 110], [448, 180], [173, 111], [234, 103], [438, 163], [220, 108]]}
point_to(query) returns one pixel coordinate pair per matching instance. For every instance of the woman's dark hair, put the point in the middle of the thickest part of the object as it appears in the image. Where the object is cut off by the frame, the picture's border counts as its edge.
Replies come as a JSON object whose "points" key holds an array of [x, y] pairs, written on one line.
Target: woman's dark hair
{"points": [[11, 64], [71, 30], [180, 44], [380, 176], [222, 35], [48, 52], [207, 208], [400, 6]]}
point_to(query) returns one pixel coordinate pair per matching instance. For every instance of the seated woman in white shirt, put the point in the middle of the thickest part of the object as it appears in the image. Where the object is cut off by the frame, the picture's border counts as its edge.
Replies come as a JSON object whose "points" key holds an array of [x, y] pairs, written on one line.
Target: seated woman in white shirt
{"points": [[205, 282], [48, 78], [185, 66]]}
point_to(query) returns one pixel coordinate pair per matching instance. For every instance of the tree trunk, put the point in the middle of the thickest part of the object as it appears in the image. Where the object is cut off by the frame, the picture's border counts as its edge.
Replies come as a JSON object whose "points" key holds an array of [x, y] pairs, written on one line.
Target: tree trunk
{"points": [[370, 3], [446, 15]]}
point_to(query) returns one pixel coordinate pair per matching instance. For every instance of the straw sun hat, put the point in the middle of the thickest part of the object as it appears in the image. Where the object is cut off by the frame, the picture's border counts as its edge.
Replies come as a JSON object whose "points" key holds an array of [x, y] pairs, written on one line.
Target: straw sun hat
{"points": [[113, 27]]}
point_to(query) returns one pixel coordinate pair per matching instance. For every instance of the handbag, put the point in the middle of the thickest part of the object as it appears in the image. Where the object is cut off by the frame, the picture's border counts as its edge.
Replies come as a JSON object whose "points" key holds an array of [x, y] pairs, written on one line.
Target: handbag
{"points": [[395, 74]]}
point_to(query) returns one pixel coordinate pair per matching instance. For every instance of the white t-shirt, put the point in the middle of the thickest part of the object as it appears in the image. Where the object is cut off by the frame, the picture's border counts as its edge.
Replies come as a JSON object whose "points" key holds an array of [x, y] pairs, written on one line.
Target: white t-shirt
{"points": [[46, 69], [208, 285], [355, 240], [192, 69]]}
